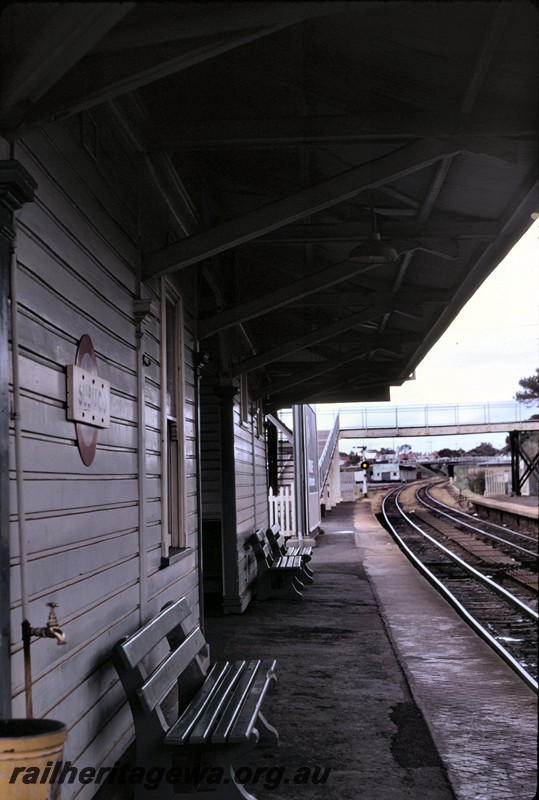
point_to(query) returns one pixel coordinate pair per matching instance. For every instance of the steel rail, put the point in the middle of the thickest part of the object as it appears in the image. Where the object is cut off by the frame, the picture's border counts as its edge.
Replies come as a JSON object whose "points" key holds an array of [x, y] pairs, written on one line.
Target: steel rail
{"points": [[474, 527], [457, 605], [468, 568], [503, 528]]}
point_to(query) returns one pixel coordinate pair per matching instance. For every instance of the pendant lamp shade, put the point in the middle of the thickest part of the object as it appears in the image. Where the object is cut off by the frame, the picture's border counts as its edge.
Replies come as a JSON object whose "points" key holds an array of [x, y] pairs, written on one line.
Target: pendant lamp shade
{"points": [[373, 250]]}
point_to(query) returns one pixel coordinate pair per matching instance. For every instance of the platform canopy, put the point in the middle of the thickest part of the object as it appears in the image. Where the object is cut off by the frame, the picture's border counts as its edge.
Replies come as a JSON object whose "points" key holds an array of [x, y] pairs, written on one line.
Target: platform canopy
{"points": [[292, 131]]}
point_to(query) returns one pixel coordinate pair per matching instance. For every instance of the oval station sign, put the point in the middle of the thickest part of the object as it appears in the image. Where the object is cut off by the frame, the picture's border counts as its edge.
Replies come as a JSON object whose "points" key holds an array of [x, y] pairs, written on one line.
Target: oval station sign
{"points": [[88, 399]]}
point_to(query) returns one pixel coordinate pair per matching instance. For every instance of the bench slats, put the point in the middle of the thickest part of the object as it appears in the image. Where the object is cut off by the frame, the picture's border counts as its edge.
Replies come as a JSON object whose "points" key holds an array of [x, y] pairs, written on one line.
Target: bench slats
{"points": [[287, 562], [217, 705], [137, 646], [231, 712], [278, 543], [179, 733], [165, 676], [246, 719], [225, 710]]}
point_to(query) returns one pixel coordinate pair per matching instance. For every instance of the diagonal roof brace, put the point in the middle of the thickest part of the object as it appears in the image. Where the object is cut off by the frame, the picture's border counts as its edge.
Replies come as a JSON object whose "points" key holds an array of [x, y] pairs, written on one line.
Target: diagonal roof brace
{"points": [[320, 368], [448, 248], [52, 93], [293, 292], [351, 390], [70, 33], [323, 334], [395, 165], [437, 232], [388, 300], [371, 388]]}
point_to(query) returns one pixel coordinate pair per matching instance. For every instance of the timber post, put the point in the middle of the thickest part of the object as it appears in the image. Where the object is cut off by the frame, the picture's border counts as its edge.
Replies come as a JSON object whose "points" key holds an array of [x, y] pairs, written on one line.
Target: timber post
{"points": [[17, 187], [231, 578]]}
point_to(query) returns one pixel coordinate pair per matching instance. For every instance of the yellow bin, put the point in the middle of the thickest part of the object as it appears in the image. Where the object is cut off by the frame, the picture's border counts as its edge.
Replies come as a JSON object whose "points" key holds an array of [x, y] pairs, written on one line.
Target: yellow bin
{"points": [[29, 749]]}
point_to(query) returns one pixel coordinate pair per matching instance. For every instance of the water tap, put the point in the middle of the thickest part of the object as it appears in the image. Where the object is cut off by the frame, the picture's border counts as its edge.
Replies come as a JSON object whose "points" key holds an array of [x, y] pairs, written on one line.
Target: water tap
{"points": [[51, 629]]}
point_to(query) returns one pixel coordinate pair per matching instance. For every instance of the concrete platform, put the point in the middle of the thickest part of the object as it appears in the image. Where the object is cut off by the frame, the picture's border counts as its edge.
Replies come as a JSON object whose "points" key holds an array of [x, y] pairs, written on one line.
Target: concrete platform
{"points": [[519, 506], [381, 682]]}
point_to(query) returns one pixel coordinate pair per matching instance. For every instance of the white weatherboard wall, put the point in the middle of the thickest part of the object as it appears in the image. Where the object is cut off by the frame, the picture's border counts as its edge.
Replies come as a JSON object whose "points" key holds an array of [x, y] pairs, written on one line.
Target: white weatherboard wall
{"points": [[251, 494], [76, 251]]}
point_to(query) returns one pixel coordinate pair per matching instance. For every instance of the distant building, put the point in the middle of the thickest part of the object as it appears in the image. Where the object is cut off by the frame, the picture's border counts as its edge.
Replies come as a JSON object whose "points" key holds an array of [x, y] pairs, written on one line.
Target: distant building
{"points": [[388, 471]]}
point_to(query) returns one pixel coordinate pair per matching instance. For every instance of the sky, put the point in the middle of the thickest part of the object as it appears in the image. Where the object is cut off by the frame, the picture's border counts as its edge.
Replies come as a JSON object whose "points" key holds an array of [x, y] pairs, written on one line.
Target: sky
{"points": [[489, 347]]}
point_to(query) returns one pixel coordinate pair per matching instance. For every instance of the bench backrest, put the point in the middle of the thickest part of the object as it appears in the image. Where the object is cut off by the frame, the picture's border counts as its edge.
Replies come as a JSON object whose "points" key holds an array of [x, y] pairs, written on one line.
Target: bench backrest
{"points": [[261, 547], [276, 538], [153, 688]]}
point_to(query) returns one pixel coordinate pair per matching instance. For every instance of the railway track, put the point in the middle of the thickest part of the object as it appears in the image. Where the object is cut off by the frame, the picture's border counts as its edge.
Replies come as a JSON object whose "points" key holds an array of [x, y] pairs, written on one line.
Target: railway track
{"points": [[493, 587], [511, 556], [524, 545]]}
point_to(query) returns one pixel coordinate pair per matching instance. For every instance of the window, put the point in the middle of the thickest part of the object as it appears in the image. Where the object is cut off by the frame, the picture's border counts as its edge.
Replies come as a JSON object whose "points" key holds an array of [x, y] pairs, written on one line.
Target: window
{"points": [[259, 421], [244, 399], [172, 396]]}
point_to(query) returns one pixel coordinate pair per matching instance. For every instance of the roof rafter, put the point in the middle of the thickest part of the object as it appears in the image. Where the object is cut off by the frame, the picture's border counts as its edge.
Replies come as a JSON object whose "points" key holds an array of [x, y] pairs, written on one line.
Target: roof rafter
{"points": [[377, 389], [392, 166], [278, 298], [495, 30], [224, 134], [386, 301], [72, 31], [110, 80], [320, 335], [320, 368], [223, 17], [353, 231]]}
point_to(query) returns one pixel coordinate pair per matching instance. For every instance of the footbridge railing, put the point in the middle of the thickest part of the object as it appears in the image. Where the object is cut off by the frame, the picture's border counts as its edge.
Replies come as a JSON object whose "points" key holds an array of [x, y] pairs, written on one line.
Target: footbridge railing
{"points": [[424, 420], [324, 462]]}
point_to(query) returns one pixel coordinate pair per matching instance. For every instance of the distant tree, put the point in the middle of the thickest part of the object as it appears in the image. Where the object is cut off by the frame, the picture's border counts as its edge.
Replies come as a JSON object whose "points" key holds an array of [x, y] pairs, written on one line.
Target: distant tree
{"points": [[446, 452], [483, 449], [386, 451], [404, 448], [530, 387], [477, 482]]}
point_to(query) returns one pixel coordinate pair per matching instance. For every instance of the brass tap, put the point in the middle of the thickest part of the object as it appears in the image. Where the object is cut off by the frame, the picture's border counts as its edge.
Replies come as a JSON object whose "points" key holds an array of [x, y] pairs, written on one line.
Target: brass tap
{"points": [[51, 629]]}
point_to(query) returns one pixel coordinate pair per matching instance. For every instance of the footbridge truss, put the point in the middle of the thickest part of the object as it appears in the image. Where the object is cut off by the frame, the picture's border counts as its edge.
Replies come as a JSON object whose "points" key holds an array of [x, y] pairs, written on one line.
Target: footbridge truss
{"points": [[379, 421]]}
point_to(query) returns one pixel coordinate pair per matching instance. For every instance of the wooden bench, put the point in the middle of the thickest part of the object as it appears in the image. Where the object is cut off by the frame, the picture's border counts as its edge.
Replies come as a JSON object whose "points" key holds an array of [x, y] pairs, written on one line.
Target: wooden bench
{"points": [[279, 547], [215, 715], [277, 576]]}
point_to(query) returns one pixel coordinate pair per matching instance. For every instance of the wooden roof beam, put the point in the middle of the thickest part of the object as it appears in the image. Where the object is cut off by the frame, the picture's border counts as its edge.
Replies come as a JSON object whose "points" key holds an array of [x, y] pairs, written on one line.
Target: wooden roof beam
{"points": [[275, 215], [110, 81], [71, 32], [434, 190], [205, 21], [320, 368], [375, 390], [494, 33], [322, 334], [293, 292], [387, 301], [111, 78], [243, 134], [437, 231]]}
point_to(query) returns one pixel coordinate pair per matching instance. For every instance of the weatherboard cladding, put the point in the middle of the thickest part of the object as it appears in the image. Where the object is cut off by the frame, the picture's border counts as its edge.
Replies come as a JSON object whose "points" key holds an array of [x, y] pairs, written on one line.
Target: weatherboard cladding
{"points": [[251, 506], [250, 480], [76, 251]]}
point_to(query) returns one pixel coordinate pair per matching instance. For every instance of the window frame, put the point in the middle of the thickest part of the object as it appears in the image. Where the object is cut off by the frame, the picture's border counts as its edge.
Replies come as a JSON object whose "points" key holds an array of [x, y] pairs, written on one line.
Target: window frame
{"points": [[244, 399], [173, 478]]}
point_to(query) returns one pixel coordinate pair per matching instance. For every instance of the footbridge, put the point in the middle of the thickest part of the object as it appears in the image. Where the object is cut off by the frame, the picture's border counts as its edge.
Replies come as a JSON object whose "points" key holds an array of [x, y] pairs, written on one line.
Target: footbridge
{"points": [[379, 421]]}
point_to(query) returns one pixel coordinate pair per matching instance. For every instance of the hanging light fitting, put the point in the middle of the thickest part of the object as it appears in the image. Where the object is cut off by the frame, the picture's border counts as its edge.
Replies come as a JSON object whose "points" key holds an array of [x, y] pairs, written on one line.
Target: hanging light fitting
{"points": [[373, 250]]}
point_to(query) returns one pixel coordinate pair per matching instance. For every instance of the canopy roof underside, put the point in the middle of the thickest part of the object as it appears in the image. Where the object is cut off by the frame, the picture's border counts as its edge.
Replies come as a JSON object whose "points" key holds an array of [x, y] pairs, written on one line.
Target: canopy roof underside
{"points": [[278, 132]]}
